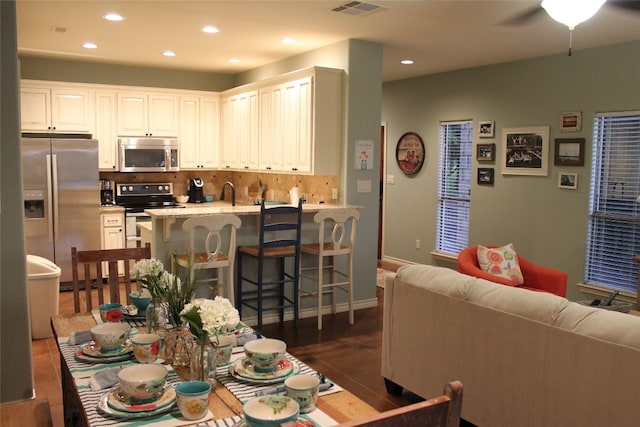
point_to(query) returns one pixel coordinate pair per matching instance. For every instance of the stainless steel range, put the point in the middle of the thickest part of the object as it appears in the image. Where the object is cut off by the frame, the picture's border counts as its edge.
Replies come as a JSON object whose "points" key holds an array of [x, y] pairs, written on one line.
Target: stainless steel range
{"points": [[135, 198]]}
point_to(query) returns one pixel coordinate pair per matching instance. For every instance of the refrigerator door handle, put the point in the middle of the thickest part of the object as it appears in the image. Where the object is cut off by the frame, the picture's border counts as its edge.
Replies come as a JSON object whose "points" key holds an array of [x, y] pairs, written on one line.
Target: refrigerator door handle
{"points": [[54, 189], [49, 199]]}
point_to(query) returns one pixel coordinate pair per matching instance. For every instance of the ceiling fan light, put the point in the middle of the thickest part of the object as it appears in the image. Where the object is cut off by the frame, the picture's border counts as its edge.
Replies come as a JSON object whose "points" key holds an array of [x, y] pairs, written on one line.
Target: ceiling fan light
{"points": [[572, 12]]}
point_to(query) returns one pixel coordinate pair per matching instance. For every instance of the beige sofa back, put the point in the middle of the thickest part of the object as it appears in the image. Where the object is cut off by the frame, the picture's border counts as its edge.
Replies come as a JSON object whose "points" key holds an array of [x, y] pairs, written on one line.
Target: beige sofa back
{"points": [[525, 358]]}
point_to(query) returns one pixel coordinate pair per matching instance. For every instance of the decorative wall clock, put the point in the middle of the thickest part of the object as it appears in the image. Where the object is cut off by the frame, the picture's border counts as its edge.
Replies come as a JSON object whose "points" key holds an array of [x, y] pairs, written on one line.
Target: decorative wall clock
{"points": [[410, 153]]}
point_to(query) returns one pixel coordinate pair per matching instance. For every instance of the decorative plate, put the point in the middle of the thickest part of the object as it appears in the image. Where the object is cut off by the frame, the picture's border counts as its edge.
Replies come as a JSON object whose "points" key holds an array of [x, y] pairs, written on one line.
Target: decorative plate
{"points": [[302, 421], [80, 356], [115, 401], [242, 369], [104, 408], [93, 350]]}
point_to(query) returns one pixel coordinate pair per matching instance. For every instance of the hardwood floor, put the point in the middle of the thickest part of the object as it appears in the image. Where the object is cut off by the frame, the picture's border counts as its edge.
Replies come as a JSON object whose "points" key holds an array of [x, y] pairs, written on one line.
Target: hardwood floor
{"points": [[350, 355]]}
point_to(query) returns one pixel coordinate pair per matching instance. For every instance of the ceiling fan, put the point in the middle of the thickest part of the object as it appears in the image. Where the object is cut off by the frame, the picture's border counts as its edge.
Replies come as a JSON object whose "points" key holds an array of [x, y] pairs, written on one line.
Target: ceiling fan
{"points": [[571, 12]]}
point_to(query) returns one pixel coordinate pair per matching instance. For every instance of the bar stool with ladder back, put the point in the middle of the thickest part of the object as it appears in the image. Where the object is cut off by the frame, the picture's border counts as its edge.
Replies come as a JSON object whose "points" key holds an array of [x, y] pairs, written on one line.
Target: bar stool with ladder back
{"points": [[212, 254], [340, 221], [279, 231]]}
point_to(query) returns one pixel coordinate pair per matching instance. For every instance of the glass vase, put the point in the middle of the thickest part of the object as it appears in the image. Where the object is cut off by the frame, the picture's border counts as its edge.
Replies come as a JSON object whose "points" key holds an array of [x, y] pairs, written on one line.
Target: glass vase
{"points": [[204, 358], [157, 317], [178, 344]]}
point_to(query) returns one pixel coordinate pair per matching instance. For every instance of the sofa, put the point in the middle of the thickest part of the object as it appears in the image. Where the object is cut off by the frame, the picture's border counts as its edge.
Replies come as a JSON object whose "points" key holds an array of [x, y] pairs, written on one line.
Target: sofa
{"points": [[536, 277], [525, 358]]}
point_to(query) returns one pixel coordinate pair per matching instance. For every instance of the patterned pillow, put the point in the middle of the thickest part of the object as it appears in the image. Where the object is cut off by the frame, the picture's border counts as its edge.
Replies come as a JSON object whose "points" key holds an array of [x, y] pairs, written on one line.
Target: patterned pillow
{"points": [[502, 262]]}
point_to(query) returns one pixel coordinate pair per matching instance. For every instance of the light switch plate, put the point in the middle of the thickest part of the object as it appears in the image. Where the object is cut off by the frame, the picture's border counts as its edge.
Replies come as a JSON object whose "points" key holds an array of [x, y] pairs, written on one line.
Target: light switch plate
{"points": [[364, 186], [391, 179]]}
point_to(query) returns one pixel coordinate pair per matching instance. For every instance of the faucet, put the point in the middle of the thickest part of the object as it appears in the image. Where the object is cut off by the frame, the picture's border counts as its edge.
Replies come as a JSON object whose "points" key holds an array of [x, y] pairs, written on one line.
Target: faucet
{"points": [[233, 192]]}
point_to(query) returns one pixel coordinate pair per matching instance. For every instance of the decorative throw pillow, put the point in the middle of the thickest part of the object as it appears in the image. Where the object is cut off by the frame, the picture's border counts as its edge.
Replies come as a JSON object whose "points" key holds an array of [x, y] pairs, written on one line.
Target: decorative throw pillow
{"points": [[502, 262]]}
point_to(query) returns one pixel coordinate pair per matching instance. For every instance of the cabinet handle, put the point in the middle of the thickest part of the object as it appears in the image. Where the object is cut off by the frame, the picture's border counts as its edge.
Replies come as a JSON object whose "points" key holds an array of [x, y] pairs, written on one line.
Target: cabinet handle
{"points": [[246, 167], [268, 168]]}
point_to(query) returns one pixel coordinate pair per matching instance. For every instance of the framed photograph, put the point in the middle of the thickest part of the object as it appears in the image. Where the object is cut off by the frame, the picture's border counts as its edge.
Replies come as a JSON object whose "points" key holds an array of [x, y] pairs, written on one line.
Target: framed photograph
{"points": [[571, 121], [525, 151], [486, 152], [569, 152], [487, 128], [568, 180], [410, 153], [485, 176]]}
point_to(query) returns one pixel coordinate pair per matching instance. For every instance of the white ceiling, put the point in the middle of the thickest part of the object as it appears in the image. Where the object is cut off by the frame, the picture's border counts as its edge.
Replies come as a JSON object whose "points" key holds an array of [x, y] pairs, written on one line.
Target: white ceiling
{"points": [[437, 35]]}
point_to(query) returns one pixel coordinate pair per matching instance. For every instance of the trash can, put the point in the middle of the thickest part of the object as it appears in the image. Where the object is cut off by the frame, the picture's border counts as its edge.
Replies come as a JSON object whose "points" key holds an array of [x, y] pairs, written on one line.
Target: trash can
{"points": [[43, 286]]}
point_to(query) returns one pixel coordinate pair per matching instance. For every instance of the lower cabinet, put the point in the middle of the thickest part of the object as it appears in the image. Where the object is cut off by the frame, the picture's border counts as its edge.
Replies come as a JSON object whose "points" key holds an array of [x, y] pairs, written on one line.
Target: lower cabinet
{"points": [[112, 236]]}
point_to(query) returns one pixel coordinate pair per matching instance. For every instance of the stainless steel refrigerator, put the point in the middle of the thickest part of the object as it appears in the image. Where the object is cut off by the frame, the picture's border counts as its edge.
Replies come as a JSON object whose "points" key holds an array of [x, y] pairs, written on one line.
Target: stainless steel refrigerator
{"points": [[61, 196]]}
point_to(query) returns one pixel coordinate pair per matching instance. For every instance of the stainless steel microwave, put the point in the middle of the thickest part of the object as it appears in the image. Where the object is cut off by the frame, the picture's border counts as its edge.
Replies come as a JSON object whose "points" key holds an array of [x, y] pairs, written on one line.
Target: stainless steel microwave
{"points": [[148, 155]]}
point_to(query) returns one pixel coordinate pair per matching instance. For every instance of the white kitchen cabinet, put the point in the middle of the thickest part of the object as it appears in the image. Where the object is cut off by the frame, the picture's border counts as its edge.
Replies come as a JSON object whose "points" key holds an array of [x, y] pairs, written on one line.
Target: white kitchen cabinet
{"points": [[112, 236], [297, 124], [271, 148], [239, 149], [147, 114], [106, 130], [47, 107], [199, 132]]}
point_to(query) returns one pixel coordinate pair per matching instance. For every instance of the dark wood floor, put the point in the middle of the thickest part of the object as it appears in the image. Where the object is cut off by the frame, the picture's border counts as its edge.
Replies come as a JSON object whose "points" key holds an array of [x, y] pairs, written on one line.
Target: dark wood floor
{"points": [[350, 355]]}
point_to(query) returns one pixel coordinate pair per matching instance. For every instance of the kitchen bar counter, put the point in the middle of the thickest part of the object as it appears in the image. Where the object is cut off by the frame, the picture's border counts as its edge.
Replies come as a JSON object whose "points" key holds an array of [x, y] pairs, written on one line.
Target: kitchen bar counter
{"points": [[218, 207]]}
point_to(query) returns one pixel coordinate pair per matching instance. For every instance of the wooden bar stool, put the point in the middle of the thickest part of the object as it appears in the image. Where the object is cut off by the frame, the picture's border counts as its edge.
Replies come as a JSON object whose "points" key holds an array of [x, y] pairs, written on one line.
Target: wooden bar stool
{"points": [[339, 221], [279, 239], [211, 255]]}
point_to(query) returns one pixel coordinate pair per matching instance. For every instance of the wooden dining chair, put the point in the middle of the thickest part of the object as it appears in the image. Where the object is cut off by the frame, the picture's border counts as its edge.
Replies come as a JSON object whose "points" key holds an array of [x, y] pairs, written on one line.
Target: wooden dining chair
{"points": [[440, 411], [118, 262]]}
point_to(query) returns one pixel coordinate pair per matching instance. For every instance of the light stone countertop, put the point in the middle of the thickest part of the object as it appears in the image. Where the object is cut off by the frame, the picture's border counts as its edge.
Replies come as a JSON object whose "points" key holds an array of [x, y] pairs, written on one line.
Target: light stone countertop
{"points": [[111, 209], [219, 207]]}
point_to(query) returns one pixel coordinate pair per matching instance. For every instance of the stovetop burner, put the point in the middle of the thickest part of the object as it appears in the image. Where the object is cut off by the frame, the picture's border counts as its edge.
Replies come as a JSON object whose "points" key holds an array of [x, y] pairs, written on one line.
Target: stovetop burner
{"points": [[136, 197]]}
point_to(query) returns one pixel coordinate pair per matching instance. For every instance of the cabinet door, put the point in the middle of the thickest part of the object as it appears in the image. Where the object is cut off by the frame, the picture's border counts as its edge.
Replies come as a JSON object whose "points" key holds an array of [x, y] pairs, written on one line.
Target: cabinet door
{"points": [[297, 125], [163, 116], [189, 135], [247, 124], [35, 109], [209, 132], [71, 110], [105, 130], [112, 238], [228, 154], [270, 129], [132, 115]]}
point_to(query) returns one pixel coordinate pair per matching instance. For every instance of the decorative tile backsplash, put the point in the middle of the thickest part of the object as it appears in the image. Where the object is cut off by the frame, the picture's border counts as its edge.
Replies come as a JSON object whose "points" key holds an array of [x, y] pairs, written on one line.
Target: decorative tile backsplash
{"points": [[276, 186]]}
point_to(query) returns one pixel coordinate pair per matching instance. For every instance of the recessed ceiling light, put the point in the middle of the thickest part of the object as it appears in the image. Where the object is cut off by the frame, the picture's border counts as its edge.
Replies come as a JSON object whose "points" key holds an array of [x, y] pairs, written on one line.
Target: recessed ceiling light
{"points": [[169, 53], [288, 40], [89, 45], [406, 62], [233, 60], [210, 29], [113, 17]]}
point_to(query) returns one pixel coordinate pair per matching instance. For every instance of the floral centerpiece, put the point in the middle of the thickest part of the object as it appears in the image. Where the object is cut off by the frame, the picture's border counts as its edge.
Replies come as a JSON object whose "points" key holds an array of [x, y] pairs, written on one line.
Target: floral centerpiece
{"points": [[205, 318]]}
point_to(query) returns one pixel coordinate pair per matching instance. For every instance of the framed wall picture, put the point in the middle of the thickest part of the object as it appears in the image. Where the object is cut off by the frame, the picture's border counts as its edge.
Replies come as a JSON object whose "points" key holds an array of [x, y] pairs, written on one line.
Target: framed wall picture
{"points": [[485, 152], [568, 180], [571, 121], [485, 176], [525, 151], [487, 128], [569, 152], [410, 153]]}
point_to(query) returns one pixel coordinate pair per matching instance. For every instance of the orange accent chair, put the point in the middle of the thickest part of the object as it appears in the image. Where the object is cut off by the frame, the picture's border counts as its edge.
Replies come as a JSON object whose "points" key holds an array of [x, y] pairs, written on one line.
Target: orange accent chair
{"points": [[536, 277]]}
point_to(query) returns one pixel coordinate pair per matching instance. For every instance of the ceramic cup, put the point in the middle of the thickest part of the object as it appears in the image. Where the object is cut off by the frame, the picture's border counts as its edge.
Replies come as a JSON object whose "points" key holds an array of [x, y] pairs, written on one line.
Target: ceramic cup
{"points": [[224, 348], [193, 399], [110, 312], [110, 336], [146, 347], [265, 353], [304, 389], [141, 300], [142, 383]]}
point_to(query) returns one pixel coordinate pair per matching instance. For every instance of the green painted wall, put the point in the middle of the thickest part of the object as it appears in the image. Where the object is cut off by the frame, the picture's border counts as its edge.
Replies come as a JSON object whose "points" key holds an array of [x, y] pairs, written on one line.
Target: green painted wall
{"points": [[546, 224]]}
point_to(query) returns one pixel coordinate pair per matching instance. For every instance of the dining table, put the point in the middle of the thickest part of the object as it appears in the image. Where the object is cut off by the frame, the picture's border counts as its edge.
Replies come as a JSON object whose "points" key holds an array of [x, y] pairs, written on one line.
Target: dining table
{"points": [[81, 407]]}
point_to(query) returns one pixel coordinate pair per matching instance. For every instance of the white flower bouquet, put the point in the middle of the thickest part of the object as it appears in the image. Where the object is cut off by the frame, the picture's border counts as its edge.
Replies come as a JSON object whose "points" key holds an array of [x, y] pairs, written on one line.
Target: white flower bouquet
{"points": [[210, 317]]}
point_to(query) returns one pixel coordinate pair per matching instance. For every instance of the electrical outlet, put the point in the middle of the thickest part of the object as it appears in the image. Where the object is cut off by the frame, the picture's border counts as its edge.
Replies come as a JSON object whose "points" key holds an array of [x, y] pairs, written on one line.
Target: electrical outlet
{"points": [[418, 244], [391, 179], [363, 186], [334, 193]]}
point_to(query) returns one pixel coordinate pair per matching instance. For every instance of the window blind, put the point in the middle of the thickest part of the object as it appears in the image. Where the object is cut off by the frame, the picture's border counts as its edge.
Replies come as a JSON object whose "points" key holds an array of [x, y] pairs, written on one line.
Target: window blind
{"points": [[454, 186], [614, 210]]}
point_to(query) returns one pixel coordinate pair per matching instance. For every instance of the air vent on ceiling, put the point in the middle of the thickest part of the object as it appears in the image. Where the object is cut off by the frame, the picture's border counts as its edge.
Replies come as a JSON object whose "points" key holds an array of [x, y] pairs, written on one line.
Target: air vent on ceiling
{"points": [[357, 8], [57, 29]]}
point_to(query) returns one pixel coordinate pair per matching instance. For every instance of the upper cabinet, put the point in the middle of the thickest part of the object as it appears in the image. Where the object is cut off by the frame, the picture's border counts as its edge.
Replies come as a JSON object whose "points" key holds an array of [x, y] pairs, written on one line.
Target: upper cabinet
{"points": [[105, 130], [239, 148], [147, 114], [48, 107], [199, 132]]}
